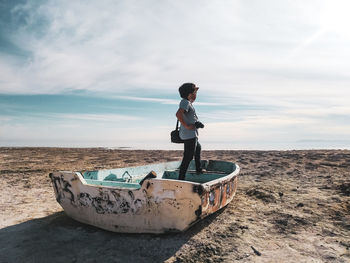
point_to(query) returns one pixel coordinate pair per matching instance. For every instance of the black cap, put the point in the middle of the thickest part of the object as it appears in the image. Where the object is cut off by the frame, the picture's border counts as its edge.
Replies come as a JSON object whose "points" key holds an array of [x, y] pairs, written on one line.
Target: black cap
{"points": [[186, 89]]}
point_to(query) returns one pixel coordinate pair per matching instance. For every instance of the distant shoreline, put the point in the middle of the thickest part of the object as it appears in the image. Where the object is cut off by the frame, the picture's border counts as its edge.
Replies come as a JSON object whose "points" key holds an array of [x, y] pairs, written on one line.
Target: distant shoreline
{"points": [[124, 148]]}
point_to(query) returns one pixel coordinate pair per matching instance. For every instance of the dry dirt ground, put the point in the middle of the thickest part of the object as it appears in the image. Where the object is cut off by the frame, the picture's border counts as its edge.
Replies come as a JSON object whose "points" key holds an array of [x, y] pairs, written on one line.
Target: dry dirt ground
{"points": [[290, 206]]}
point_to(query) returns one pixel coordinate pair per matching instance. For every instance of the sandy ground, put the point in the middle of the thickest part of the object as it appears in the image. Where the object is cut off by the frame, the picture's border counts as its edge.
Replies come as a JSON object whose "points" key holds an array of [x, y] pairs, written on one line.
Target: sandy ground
{"points": [[290, 206]]}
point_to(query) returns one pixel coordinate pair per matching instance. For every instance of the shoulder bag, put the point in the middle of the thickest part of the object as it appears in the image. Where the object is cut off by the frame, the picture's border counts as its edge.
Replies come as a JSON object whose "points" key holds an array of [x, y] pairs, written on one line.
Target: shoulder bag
{"points": [[175, 136]]}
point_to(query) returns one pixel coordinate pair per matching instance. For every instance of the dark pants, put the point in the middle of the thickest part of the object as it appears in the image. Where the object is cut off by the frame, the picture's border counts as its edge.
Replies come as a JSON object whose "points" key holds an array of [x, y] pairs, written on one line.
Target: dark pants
{"points": [[191, 148]]}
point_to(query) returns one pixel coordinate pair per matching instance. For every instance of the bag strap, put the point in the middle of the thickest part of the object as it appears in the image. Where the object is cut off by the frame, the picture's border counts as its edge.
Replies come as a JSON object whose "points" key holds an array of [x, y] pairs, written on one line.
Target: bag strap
{"points": [[177, 125]]}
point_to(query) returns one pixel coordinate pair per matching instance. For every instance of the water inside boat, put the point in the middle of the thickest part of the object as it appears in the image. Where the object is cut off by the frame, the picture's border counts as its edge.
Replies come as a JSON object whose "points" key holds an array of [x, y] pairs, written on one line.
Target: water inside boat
{"points": [[130, 177]]}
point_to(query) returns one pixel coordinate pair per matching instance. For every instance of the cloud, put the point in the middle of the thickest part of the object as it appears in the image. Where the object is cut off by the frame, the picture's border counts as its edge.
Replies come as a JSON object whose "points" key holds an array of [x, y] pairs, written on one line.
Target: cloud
{"points": [[147, 99], [98, 117], [115, 46], [65, 117], [320, 111], [270, 129], [165, 101], [5, 118], [264, 68]]}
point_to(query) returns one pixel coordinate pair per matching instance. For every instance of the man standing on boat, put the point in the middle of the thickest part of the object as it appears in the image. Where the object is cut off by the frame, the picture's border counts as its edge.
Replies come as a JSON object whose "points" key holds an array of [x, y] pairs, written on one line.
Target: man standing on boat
{"points": [[186, 114]]}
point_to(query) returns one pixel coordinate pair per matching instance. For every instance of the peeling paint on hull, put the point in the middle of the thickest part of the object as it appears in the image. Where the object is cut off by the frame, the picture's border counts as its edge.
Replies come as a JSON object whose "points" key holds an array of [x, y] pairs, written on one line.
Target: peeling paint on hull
{"points": [[159, 205]]}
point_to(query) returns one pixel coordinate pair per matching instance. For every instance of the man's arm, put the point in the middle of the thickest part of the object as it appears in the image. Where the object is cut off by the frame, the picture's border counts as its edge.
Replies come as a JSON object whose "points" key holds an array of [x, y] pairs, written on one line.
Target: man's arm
{"points": [[180, 116]]}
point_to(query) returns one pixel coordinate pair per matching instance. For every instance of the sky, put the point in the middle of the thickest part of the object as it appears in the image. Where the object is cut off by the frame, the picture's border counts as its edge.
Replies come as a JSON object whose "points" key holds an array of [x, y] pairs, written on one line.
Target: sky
{"points": [[273, 74]]}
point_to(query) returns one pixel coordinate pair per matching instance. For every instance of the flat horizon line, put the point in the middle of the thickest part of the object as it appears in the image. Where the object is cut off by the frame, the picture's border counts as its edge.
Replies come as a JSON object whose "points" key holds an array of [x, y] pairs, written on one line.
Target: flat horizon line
{"points": [[140, 149]]}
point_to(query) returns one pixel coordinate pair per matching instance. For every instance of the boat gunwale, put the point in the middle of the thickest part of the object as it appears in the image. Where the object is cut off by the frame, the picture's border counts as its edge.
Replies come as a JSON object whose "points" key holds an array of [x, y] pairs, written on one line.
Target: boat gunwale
{"points": [[227, 177]]}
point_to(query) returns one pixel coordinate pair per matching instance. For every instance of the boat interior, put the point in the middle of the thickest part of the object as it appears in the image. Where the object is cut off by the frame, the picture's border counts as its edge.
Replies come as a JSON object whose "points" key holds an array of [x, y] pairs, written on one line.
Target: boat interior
{"points": [[133, 177]]}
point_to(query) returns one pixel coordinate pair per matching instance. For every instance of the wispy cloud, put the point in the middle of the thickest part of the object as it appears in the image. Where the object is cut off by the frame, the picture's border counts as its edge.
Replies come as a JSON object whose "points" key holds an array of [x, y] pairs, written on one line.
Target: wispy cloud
{"points": [[98, 117], [147, 99], [167, 101], [5, 118], [320, 111]]}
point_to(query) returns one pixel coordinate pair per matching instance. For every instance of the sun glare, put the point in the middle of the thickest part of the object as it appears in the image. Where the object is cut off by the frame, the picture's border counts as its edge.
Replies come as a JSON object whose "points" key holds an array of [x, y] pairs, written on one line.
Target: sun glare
{"points": [[335, 17]]}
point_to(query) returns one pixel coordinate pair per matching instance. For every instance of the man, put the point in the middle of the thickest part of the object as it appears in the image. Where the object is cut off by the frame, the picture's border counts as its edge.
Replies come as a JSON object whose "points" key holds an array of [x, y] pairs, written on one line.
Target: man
{"points": [[186, 114]]}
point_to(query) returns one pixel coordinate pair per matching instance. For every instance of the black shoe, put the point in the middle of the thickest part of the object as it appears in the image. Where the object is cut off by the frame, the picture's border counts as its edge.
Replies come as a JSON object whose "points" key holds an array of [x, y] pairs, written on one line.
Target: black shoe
{"points": [[200, 171]]}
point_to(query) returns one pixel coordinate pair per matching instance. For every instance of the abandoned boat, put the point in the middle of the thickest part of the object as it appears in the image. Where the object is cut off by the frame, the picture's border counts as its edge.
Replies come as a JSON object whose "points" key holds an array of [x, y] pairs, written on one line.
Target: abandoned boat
{"points": [[146, 199]]}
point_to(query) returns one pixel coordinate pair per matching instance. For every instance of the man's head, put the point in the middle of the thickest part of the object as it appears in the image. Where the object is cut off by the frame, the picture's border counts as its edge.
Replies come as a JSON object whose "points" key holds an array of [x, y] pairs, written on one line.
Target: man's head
{"points": [[188, 91]]}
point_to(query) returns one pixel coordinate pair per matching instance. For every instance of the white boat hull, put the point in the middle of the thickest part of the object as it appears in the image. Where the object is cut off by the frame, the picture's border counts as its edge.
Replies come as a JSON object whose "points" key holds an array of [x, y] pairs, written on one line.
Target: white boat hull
{"points": [[158, 206]]}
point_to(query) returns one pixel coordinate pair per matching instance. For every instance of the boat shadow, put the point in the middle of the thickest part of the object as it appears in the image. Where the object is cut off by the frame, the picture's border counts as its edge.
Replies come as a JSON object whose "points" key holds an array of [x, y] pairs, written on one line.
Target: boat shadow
{"points": [[58, 238]]}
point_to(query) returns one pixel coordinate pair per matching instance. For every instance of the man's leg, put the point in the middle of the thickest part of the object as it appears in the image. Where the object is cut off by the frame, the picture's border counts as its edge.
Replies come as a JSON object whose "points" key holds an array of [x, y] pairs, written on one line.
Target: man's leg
{"points": [[197, 157], [189, 147]]}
